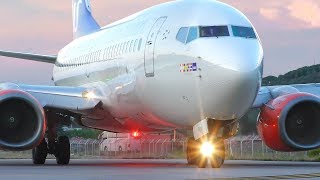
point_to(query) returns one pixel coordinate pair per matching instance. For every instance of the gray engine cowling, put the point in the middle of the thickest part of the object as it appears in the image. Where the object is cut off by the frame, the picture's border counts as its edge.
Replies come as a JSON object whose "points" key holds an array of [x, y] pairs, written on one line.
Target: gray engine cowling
{"points": [[22, 120]]}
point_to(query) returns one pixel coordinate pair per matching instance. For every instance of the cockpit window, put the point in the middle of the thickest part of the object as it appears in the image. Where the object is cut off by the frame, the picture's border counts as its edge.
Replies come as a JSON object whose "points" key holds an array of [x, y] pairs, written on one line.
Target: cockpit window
{"points": [[182, 34], [246, 32], [193, 34], [188, 34], [214, 31]]}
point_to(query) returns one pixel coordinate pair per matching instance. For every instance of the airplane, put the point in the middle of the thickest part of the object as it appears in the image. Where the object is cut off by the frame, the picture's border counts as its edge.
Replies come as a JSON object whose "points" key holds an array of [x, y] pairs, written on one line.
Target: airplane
{"points": [[190, 65]]}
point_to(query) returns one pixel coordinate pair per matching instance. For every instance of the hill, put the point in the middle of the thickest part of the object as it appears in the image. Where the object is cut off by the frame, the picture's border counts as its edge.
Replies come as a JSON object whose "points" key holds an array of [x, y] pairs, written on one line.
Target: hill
{"points": [[304, 75]]}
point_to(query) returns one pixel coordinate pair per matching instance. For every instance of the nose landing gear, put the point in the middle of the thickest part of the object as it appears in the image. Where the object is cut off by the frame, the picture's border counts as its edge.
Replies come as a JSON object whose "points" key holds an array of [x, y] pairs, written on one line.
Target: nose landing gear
{"points": [[217, 158], [208, 142], [192, 151], [200, 153]]}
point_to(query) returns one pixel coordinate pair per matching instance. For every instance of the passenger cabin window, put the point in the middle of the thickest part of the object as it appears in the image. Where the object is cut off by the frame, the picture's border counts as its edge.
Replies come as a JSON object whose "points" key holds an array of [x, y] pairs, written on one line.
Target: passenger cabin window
{"points": [[214, 31], [140, 41], [135, 45], [131, 46], [182, 34], [117, 50], [246, 32], [127, 46], [122, 48]]}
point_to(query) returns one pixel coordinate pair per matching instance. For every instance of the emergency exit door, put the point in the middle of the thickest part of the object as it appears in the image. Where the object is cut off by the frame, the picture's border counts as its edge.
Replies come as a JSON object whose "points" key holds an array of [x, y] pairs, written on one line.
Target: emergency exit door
{"points": [[150, 47]]}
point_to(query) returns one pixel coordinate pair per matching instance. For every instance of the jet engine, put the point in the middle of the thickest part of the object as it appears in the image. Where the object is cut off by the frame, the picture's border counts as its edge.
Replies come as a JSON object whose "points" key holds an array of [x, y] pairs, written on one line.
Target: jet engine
{"points": [[291, 122], [22, 120]]}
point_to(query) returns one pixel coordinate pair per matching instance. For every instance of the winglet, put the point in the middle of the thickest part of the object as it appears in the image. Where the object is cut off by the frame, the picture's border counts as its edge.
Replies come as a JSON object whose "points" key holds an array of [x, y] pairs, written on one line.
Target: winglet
{"points": [[83, 21]]}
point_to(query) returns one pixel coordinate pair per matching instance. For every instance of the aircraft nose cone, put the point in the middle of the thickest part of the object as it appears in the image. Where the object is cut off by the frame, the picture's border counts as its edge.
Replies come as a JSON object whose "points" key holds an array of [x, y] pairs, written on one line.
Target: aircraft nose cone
{"points": [[241, 61], [231, 77], [226, 93]]}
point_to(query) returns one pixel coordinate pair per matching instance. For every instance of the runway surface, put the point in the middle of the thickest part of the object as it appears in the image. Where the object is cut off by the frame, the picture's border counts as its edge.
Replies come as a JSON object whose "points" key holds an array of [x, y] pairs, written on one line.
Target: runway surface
{"points": [[156, 169]]}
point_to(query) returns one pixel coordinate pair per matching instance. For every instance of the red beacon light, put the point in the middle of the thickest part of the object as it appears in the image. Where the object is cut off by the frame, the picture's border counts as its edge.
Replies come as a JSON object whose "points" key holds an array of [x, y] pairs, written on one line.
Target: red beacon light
{"points": [[136, 134]]}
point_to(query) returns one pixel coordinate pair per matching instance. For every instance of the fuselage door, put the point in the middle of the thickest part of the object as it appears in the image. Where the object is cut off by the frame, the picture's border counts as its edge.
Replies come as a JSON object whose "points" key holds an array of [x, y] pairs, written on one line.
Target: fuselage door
{"points": [[150, 46]]}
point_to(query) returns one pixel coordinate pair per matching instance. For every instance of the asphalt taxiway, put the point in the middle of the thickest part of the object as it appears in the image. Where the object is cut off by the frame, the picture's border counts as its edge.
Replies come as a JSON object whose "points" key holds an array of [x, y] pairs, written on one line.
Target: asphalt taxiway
{"points": [[156, 169]]}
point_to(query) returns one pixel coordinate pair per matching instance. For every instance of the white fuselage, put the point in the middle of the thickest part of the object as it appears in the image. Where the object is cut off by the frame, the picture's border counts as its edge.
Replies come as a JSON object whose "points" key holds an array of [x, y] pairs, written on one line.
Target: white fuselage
{"points": [[137, 64]]}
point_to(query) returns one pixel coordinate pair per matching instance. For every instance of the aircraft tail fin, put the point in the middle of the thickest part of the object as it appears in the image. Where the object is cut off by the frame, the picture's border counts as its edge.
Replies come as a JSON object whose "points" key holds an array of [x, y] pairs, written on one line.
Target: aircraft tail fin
{"points": [[83, 21]]}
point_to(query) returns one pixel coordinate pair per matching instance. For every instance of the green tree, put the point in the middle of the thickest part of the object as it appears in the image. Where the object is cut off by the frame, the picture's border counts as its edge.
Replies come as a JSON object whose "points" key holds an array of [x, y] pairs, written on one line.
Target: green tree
{"points": [[83, 133]]}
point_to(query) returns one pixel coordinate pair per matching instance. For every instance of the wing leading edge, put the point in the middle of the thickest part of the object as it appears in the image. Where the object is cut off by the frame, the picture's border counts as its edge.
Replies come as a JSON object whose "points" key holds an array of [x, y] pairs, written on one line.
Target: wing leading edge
{"points": [[64, 98], [34, 57], [268, 93]]}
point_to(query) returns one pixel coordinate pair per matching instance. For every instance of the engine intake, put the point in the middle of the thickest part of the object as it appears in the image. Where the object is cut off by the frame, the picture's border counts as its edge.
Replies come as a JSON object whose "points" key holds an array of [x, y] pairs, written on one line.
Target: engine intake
{"points": [[291, 122], [22, 120]]}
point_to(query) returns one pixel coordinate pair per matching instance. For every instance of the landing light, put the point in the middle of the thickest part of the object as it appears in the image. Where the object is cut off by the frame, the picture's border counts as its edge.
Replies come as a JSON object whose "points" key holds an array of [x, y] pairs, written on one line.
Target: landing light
{"points": [[207, 149], [88, 94]]}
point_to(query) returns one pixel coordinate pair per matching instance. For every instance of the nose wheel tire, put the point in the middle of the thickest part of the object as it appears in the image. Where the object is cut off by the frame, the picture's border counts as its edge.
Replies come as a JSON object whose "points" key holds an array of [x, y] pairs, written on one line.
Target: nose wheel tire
{"points": [[63, 150], [217, 159], [202, 162], [40, 152], [192, 151]]}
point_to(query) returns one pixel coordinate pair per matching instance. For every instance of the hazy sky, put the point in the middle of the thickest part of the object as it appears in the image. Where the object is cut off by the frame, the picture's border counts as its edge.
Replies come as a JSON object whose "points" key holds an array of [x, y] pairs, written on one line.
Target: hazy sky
{"points": [[289, 29]]}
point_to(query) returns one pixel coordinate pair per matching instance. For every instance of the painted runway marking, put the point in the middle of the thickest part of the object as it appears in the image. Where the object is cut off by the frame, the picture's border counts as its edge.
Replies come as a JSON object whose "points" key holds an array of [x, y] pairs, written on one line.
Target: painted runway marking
{"points": [[295, 176]]}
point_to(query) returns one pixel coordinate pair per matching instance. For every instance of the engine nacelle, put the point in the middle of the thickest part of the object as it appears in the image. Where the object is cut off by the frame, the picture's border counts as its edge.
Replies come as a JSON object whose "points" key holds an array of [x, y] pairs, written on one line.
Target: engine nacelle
{"points": [[291, 122], [22, 120]]}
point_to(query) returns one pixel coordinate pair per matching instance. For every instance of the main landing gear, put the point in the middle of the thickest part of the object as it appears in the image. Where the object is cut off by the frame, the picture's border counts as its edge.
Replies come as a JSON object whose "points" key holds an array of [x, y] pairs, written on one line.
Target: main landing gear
{"points": [[60, 149], [40, 152], [201, 152], [57, 146]]}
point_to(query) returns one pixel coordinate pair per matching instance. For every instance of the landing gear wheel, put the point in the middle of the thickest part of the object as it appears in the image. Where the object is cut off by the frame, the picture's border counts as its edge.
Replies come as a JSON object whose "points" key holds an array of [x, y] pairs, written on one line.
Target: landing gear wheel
{"points": [[202, 162], [63, 150], [217, 159], [40, 152], [192, 151]]}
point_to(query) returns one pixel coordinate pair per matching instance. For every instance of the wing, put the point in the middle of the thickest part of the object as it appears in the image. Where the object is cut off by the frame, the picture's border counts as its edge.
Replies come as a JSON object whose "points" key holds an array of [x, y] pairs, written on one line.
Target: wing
{"points": [[267, 93], [63, 98], [34, 57]]}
